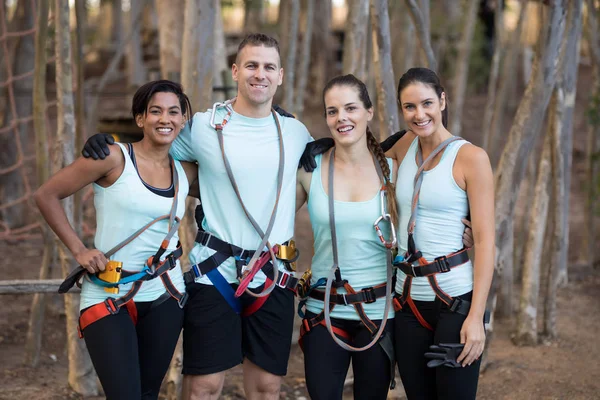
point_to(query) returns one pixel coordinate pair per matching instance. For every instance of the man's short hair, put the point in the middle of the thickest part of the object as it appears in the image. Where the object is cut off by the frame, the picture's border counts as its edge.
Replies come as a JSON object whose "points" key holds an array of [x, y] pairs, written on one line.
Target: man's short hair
{"points": [[257, 39]]}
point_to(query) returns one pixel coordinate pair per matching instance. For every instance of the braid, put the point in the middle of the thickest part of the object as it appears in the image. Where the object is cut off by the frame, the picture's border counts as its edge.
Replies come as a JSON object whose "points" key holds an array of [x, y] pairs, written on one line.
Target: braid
{"points": [[377, 151]]}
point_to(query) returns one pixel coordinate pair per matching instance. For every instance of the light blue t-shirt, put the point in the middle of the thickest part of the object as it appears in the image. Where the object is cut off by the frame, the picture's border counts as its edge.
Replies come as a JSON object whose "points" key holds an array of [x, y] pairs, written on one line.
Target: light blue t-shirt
{"points": [[252, 148], [439, 229], [122, 209], [361, 255]]}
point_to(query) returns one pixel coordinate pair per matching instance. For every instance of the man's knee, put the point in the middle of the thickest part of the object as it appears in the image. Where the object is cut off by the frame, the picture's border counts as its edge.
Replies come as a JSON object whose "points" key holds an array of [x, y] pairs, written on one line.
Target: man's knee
{"points": [[203, 387]]}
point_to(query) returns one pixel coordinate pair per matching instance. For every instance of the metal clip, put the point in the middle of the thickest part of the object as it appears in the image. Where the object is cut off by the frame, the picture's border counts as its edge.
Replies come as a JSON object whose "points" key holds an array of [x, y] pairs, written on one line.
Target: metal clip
{"points": [[387, 243]]}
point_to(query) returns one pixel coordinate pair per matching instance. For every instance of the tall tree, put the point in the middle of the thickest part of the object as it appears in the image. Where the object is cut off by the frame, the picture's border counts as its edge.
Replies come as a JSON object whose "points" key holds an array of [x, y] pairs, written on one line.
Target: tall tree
{"points": [[303, 69], [322, 49], [494, 73], [522, 135], [562, 150], [136, 70], [592, 175], [355, 39], [291, 53], [36, 316], [421, 22], [459, 86], [82, 377], [384, 71], [490, 133], [254, 15], [170, 36]]}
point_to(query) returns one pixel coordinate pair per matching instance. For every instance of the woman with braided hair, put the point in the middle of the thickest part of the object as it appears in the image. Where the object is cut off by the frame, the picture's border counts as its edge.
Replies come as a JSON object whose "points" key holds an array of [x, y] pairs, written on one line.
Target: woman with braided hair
{"points": [[359, 306]]}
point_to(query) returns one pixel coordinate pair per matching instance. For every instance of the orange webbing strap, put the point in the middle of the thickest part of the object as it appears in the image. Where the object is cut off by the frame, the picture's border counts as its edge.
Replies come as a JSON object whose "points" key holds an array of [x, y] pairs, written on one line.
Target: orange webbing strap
{"points": [[361, 311], [406, 299], [307, 327], [104, 309]]}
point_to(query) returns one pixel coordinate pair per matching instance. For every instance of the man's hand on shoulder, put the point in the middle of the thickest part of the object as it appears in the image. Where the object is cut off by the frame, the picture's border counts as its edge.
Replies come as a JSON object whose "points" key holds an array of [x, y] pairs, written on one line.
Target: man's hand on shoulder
{"points": [[96, 146]]}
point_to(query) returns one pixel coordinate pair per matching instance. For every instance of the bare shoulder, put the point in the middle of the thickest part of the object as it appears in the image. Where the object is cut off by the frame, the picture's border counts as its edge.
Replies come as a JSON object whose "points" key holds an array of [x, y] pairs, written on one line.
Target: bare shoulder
{"points": [[471, 156]]}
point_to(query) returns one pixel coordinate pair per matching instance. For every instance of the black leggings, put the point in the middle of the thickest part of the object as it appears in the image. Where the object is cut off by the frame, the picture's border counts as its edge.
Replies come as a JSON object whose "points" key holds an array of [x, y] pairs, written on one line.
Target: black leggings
{"points": [[413, 341], [131, 360], [326, 364]]}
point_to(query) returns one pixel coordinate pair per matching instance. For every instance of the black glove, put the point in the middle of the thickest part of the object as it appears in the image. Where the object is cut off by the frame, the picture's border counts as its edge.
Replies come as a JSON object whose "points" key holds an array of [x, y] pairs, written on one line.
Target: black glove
{"points": [[391, 141], [445, 354], [97, 146], [313, 149], [282, 112], [199, 216]]}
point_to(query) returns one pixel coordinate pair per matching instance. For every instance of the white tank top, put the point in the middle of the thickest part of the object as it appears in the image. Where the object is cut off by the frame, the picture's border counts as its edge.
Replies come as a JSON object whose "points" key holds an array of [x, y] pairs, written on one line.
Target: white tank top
{"points": [[439, 229], [123, 208]]}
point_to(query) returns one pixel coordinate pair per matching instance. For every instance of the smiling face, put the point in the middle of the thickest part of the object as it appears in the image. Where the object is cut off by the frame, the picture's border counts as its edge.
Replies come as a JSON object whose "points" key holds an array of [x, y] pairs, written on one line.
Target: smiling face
{"points": [[258, 73], [163, 118], [346, 115], [422, 108]]}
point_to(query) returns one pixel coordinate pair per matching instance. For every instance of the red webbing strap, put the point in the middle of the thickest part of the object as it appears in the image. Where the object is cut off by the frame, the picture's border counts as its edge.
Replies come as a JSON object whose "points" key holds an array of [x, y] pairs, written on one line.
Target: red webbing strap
{"points": [[307, 327], [443, 296], [258, 302], [99, 311], [406, 299]]}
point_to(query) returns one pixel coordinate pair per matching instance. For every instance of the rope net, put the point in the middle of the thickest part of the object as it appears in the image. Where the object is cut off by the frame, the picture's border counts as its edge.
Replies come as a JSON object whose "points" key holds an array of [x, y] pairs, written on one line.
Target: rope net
{"points": [[18, 214]]}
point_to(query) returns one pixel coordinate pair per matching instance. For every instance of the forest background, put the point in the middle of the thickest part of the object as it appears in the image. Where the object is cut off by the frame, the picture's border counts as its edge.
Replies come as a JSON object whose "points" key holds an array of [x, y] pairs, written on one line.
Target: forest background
{"points": [[523, 81]]}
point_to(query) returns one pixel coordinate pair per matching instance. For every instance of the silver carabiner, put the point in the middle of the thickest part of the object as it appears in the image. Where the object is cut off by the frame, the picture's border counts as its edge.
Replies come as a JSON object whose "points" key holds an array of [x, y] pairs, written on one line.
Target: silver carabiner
{"points": [[214, 112], [387, 243]]}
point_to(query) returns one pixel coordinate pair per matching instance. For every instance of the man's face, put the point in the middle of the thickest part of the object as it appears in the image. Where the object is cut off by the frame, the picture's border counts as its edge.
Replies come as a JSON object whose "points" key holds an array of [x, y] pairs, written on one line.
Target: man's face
{"points": [[258, 73]]}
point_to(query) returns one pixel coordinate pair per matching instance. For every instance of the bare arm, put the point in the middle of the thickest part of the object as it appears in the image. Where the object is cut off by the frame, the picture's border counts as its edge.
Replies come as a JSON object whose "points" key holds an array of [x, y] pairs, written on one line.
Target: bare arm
{"points": [[63, 184], [302, 187], [191, 172], [479, 183]]}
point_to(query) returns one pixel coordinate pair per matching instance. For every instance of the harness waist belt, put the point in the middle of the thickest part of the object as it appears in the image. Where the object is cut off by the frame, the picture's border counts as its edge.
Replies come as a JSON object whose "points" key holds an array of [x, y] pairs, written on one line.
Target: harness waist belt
{"points": [[439, 265], [366, 295]]}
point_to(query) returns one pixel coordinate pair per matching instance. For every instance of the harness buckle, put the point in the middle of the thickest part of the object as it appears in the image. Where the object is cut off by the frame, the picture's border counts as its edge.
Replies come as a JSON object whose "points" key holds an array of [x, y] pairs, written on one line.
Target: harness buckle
{"points": [[208, 238], [111, 306], [414, 271], [369, 295], [442, 264], [182, 300], [282, 281], [456, 303]]}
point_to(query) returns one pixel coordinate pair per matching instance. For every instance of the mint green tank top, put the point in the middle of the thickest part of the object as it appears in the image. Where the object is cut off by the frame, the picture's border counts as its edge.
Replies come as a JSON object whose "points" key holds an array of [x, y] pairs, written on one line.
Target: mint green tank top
{"points": [[362, 256]]}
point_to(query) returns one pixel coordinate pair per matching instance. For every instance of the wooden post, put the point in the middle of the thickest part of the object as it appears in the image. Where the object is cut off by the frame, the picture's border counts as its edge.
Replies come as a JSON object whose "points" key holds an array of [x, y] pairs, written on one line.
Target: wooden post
{"points": [[82, 377], [355, 39], [290, 60], [303, 69]]}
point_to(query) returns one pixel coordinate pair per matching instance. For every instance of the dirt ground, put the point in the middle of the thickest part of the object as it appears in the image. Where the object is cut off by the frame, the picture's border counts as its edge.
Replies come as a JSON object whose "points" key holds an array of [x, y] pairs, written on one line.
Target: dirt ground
{"points": [[567, 368]]}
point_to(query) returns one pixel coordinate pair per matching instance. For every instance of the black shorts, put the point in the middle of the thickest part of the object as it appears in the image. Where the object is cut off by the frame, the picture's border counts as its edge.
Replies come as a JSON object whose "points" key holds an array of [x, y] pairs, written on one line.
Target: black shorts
{"points": [[216, 339]]}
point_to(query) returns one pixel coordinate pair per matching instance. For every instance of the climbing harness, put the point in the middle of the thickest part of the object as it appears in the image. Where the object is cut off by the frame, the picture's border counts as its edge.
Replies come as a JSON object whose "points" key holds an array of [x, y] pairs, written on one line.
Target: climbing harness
{"points": [[154, 268], [331, 298], [248, 262], [424, 268]]}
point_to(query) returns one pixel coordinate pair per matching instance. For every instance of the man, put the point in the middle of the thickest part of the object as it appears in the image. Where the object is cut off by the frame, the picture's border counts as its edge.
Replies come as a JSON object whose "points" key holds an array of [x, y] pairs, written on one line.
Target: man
{"points": [[216, 338]]}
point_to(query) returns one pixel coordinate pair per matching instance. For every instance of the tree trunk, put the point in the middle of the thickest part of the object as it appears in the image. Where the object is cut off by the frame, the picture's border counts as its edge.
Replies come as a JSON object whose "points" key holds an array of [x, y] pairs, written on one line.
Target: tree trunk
{"points": [[322, 50], [136, 70], [222, 74], [384, 71], [592, 175], [254, 15], [523, 134], [290, 61], [80, 134], [355, 40], [33, 342], [82, 377], [462, 68], [494, 72], [303, 69], [401, 28], [117, 23], [421, 22], [507, 76], [170, 35], [198, 52], [197, 65], [15, 211], [284, 20], [526, 332]]}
